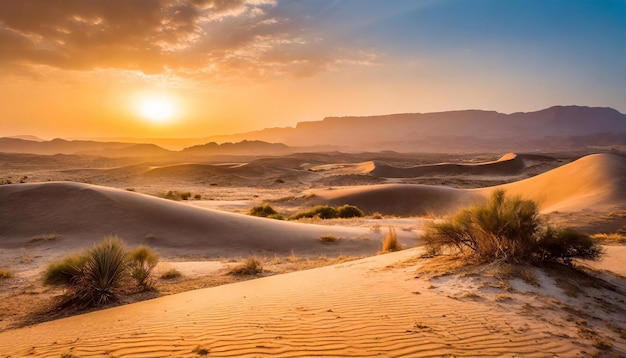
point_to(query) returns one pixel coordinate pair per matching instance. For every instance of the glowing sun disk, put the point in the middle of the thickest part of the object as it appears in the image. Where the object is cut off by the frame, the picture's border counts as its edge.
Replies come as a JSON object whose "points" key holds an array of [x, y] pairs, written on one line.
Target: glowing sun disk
{"points": [[157, 109]]}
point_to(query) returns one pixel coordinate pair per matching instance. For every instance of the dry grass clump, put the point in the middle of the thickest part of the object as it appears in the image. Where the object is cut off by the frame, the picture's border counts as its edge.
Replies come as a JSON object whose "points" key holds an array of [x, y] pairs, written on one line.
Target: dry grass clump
{"points": [[96, 276], [171, 274], [5, 273], [142, 262], [329, 212], [45, 237], [252, 266], [328, 239], [177, 195], [509, 230], [265, 211], [390, 242], [610, 239]]}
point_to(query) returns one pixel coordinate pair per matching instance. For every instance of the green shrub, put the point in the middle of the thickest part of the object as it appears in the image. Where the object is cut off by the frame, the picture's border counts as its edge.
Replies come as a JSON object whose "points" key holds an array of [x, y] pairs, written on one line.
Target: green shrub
{"points": [[171, 274], [142, 261], [64, 272], [320, 211], [349, 211], [390, 242], [566, 244], [262, 211], [508, 229], [252, 266]]}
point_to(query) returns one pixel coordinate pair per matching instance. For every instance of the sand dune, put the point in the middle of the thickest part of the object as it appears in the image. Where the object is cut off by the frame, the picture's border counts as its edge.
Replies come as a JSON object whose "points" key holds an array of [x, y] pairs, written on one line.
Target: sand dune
{"points": [[194, 172], [509, 165], [82, 214], [371, 307], [398, 199], [593, 182]]}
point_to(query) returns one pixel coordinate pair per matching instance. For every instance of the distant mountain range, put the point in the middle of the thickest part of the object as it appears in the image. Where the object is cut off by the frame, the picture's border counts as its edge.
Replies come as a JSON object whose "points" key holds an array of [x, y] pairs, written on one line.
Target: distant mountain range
{"points": [[559, 128], [554, 128]]}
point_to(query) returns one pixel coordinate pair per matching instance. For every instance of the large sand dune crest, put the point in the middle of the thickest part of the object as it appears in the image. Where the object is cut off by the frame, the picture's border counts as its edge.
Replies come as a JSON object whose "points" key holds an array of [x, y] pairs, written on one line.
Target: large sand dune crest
{"points": [[595, 182], [509, 165], [82, 213]]}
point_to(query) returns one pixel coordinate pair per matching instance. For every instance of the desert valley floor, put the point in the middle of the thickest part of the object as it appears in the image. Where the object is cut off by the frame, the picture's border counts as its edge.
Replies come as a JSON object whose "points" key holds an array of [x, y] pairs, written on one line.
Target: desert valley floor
{"points": [[344, 299]]}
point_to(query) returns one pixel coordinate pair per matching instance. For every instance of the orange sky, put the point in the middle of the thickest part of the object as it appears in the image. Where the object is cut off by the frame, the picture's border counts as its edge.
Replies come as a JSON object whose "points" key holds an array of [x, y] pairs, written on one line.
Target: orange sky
{"points": [[80, 69]]}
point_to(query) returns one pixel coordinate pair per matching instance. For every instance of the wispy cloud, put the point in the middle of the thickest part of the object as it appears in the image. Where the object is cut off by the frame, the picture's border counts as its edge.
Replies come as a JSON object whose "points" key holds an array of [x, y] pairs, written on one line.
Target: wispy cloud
{"points": [[220, 39]]}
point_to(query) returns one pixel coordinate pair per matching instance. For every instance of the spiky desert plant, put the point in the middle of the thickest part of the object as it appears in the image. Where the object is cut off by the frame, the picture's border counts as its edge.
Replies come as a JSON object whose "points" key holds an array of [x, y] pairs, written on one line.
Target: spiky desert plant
{"points": [[141, 262], [103, 273]]}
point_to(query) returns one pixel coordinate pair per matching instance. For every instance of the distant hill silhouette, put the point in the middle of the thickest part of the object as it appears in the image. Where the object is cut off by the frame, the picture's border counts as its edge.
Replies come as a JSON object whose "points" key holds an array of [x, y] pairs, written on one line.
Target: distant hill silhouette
{"points": [[558, 128], [554, 128], [244, 147]]}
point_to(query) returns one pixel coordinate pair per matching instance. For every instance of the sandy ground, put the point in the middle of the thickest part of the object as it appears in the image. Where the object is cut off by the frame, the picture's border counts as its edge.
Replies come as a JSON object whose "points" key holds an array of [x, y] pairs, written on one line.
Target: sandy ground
{"points": [[388, 305], [371, 307]]}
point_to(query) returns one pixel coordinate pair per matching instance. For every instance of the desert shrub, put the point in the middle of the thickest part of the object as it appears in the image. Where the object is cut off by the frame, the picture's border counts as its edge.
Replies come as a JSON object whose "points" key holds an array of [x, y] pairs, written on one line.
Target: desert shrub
{"points": [[349, 211], [320, 211], [510, 230], [328, 239], [252, 266], [96, 276], [262, 211], [141, 262], [64, 272], [102, 275], [197, 197], [177, 195], [390, 242], [276, 217], [564, 245], [5, 273], [171, 274]]}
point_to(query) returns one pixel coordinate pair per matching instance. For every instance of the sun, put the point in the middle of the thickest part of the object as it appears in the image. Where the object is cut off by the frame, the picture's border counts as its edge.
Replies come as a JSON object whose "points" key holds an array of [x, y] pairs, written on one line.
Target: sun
{"points": [[157, 108]]}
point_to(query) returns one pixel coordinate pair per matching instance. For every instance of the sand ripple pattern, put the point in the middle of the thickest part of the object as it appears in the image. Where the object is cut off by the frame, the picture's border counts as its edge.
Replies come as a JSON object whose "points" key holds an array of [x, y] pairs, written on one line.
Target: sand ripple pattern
{"points": [[358, 309]]}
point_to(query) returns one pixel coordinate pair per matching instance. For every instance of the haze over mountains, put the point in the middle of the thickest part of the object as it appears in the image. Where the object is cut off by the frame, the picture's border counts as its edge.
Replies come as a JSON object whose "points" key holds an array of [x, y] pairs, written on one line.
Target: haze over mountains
{"points": [[553, 129]]}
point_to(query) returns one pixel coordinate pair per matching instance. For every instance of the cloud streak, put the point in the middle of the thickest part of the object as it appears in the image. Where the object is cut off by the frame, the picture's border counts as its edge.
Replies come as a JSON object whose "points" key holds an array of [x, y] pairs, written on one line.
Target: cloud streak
{"points": [[210, 39]]}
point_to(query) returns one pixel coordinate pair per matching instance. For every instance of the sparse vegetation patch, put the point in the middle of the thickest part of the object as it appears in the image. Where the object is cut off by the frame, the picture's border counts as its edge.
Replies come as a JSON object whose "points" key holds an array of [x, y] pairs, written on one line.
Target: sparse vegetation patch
{"points": [[251, 266], [509, 230], [390, 242]]}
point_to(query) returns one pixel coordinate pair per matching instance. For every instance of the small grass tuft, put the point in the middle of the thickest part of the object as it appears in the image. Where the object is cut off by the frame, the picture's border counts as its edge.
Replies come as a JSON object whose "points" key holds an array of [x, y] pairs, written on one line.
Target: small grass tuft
{"points": [[171, 274], [142, 261], [328, 239], [5, 273], [45, 237], [390, 242], [252, 266]]}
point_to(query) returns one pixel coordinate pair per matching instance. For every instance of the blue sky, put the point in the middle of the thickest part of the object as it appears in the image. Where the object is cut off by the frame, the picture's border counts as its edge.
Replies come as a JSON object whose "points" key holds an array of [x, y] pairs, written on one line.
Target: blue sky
{"points": [[238, 65]]}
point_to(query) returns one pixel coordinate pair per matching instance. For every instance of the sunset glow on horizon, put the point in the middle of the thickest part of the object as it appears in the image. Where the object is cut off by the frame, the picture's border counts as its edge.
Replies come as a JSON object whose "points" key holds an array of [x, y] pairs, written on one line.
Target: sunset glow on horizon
{"points": [[76, 69]]}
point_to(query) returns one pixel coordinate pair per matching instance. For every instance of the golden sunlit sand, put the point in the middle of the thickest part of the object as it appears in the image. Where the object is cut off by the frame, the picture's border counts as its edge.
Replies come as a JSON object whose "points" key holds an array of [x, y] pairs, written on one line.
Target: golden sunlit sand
{"points": [[398, 304]]}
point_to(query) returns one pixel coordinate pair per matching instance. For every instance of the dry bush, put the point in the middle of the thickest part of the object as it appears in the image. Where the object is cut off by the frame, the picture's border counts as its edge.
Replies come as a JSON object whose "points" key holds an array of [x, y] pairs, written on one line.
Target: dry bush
{"points": [[252, 266], [45, 237], [390, 242], [265, 211], [349, 211], [320, 211], [509, 230], [171, 274], [328, 239], [142, 261], [5, 273]]}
